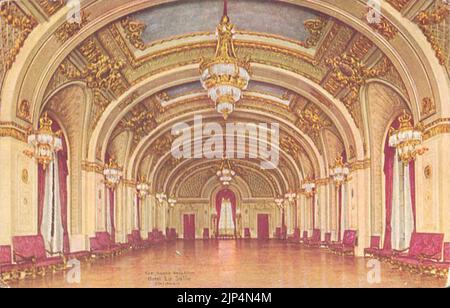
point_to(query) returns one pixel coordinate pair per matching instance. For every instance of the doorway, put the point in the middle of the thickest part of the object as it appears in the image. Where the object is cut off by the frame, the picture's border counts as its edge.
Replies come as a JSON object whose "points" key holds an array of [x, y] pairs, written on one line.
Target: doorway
{"points": [[263, 226], [189, 226]]}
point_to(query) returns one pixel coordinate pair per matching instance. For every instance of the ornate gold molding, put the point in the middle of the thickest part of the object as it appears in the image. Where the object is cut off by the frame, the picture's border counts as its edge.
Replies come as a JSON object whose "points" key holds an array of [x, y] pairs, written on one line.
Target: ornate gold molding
{"points": [[399, 4], [69, 29], [13, 130], [50, 7], [24, 111], [13, 38], [360, 165], [438, 127], [92, 167], [384, 27], [428, 107]]}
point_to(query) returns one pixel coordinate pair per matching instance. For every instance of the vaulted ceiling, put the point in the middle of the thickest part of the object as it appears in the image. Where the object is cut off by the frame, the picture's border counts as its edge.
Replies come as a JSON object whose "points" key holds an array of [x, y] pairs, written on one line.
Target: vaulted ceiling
{"points": [[138, 64]]}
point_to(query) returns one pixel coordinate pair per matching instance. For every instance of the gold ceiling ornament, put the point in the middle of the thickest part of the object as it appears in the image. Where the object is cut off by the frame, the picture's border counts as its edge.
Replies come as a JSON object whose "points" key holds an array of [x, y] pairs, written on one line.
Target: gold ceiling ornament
{"points": [[24, 111], [428, 107], [225, 76], [142, 120], [339, 171], [45, 142], [350, 72], [16, 26], [101, 72], [50, 7], [399, 4], [112, 173], [407, 139], [133, 31], [311, 121], [434, 24], [69, 29], [384, 27], [316, 29]]}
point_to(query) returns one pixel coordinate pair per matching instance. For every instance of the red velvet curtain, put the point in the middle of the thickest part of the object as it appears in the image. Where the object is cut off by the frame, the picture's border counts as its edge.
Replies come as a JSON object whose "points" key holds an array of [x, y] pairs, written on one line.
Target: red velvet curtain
{"points": [[138, 209], [41, 196], [189, 226], [225, 194], [263, 226], [389, 157], [112, 200], [314, 211], [339, 192], [62, 177], [412, 183]]}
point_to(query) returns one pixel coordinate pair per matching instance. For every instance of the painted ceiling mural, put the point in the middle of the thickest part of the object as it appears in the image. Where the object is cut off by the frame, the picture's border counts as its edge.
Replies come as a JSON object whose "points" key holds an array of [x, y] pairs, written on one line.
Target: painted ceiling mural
{"points": [[129, 51]]}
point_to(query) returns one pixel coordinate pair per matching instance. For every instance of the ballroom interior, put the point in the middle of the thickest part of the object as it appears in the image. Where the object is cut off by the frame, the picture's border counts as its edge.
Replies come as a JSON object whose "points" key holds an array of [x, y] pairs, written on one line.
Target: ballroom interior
{"points": [[91, 91]]}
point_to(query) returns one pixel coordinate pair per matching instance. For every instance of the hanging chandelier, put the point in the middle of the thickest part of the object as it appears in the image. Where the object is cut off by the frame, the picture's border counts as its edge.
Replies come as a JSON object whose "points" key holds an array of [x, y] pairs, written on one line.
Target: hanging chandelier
{"points": [[406, 139], [142, 189], [339, 171], [45, 142], [279, 202], [112, 173], [161, 197], [290, 197], [225, 76], [309, 186], [172, 202], [226, 172]]}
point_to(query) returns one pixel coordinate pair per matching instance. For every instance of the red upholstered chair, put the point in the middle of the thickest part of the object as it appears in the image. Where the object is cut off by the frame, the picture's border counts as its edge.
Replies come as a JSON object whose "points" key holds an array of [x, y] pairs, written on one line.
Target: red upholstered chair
{"points": [[423, 246], [8, 270], [278, 234], [29, 252], [247, 233], [304, 238], [438, 268], [348, 244], [295, 237], [327, 241], [374, 246], [78, 255], [206, 234], [103, 246], [315, 239]]}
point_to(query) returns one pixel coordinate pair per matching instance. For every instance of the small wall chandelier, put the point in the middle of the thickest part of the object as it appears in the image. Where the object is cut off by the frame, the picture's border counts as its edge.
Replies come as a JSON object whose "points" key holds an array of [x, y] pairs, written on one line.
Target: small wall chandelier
{"points": [[309, 186], [406, 139], [112, 173], [142, 189], [290, 197], [172, 202], [161, 197], [226, 172], [225, 76], [45, 142], [339, 171], [279, 202]]}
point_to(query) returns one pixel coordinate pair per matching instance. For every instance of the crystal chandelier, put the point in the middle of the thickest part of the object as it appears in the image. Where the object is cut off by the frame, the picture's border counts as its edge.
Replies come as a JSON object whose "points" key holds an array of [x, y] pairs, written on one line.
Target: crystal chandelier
{"points": [[290, 197], [309, 187], [161, 197], [225, 76], [279, 202], [45, 142], [226, 172], [406, 139], [112, 173], [172, 201], [142, 189], [339, 171]]}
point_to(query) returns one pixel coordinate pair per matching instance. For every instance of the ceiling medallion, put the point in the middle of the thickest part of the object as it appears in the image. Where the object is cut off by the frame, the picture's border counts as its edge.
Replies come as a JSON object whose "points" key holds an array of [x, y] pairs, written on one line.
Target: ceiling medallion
{"points": [[225, 76]]}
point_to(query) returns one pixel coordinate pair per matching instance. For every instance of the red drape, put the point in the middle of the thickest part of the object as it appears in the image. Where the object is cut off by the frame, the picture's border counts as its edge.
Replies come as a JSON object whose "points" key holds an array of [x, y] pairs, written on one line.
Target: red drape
{"points": [[389, 157], [339, 192], [412, 183], [138, 209], [63, 174], [112, 200], [225, 194], [189, 226], [41, 196], [263, 226], [313, 211]]}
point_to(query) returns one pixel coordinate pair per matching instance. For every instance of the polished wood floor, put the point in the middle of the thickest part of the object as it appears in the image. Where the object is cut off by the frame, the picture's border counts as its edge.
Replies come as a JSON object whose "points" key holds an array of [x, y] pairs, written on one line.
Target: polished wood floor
{"points": [[232, 264]]}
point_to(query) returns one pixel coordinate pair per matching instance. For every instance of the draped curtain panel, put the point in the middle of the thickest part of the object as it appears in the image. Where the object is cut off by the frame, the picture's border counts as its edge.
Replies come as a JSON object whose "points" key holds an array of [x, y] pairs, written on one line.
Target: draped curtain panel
{"points": [[189, 226], [263, 226], [339, 193], [112, 196], [225, 194], [52, 200], [138, 213]]}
